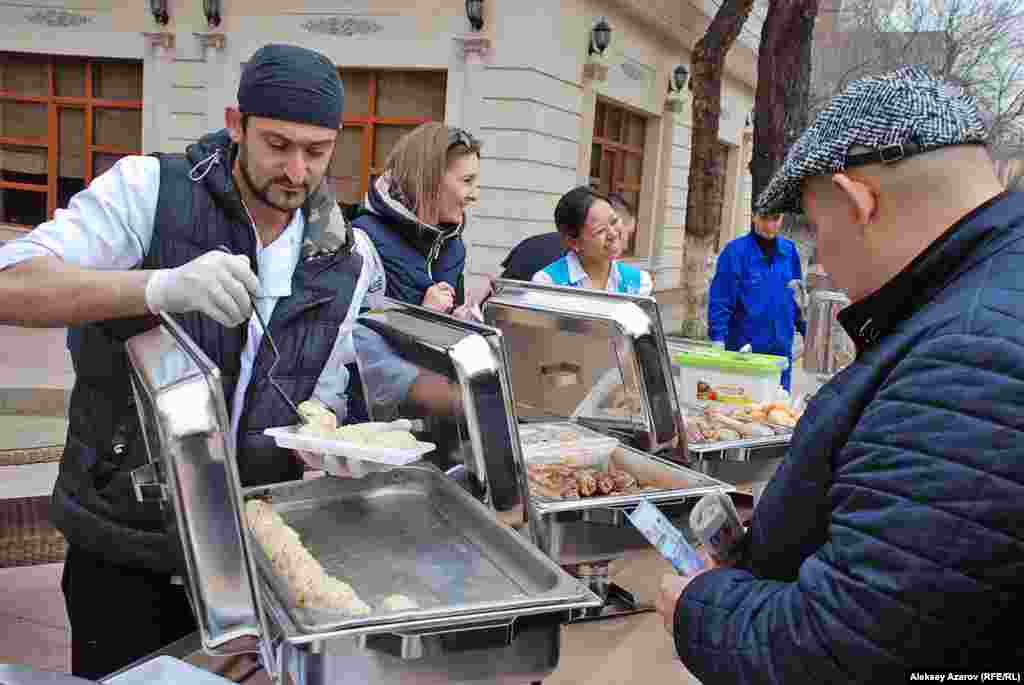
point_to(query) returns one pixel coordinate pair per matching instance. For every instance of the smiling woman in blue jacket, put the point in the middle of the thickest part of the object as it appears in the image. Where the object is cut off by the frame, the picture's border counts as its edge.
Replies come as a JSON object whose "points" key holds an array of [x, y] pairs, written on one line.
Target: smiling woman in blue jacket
{"points": [[751, 301], [415, 214], [592, 231]]}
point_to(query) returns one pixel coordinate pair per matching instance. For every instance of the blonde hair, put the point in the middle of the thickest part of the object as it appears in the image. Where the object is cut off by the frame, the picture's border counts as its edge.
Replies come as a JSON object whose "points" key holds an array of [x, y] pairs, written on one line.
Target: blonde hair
{"points": [[419, 161]]}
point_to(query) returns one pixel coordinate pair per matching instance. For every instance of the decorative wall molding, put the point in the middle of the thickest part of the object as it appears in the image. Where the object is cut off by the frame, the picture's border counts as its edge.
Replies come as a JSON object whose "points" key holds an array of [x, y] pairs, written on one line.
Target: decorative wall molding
{"points": [[632, 71], [217, 41], [58, 18], [163, 40], [342, 26], [475, 46]]}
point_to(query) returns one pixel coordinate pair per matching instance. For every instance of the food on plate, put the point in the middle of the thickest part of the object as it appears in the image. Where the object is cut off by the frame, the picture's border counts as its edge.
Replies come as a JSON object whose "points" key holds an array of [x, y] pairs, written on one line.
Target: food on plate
{"points": [[313, 409], [747, 430], [623, 480], [783, 418], [553, 480], [310, 585], [562, 481], [621, 403], [586, 482], [398, 603], [320, 422], [605, 483], [375, 435]]}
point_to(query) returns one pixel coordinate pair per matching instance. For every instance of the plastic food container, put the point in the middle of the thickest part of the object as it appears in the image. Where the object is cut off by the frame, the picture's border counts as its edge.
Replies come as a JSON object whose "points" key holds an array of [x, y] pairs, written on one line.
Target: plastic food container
{"points": [[576, 445], [733, 377]]}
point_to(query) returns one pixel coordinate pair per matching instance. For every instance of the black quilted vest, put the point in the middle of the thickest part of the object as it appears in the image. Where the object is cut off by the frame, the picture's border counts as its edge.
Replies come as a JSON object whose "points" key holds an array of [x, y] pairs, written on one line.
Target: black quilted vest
{"points": [[93, 502]]}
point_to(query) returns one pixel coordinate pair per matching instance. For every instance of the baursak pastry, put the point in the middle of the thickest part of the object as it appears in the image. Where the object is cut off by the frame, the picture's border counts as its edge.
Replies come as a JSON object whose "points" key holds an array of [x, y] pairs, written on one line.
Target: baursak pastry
{"points": [[310, 585]]}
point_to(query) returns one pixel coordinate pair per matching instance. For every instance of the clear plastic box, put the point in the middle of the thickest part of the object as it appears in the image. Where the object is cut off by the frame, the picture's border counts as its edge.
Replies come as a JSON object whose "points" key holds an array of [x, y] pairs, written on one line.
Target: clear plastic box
{"points": [[564, 441]]}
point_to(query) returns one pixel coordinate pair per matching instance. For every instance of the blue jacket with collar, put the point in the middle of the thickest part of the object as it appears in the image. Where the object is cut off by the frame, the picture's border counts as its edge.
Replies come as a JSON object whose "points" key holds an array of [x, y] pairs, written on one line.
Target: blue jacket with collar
{"points": [[892, 536], [415, 255], [750, 300]]}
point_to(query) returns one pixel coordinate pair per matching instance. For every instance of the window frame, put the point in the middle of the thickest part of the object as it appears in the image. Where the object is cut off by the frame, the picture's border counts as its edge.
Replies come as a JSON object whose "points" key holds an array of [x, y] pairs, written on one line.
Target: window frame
{"points": [[87, 102], [619, 151], [369, 122]]}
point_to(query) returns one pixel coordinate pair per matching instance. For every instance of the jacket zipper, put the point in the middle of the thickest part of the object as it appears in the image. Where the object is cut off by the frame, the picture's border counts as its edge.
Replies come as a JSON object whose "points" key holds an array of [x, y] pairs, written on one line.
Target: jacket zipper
{"points": [[435, 251]]}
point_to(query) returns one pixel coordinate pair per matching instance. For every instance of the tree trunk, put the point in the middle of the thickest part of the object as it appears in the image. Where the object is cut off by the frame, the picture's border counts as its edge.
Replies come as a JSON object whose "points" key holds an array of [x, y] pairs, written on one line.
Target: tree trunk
{"points": [[706, 165], [703, 213], [783, 85]]}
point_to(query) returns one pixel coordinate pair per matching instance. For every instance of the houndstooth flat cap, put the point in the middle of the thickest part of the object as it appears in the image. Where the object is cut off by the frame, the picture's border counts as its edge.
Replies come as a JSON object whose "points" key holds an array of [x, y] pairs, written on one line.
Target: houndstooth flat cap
{"points": [[893, 116]]}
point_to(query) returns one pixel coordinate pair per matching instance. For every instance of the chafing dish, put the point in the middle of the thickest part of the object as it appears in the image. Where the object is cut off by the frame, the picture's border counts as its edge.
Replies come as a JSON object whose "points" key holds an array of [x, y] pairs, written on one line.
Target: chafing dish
{"points": [[747, 463], [490, 604], [569, 350], [571, 346]]}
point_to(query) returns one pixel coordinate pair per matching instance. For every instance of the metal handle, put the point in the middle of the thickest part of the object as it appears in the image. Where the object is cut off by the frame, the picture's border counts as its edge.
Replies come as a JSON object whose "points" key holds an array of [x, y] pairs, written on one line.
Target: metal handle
{"points": [[561, 375], [409, 645], [148, 485]]}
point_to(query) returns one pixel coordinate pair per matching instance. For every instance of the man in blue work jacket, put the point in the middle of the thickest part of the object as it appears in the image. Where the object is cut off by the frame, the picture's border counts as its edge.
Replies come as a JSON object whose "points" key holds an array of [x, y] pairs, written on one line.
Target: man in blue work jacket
{"points": [[752, 298]]}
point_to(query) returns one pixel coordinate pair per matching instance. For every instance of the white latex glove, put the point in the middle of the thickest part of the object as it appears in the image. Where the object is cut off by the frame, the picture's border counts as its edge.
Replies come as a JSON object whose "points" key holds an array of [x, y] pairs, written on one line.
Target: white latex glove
{"points": [[217, 284], [746, 348]]}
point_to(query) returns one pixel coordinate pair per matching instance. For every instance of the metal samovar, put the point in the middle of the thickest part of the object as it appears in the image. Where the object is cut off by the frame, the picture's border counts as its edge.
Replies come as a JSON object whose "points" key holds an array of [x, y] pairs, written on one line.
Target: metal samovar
{"points": [[827, 347]]}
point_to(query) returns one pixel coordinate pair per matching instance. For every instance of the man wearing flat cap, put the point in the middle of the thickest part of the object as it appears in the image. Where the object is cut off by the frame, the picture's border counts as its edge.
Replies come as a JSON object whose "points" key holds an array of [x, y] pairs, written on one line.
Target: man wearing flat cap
{"points": [[243, 219], [891, 539]]}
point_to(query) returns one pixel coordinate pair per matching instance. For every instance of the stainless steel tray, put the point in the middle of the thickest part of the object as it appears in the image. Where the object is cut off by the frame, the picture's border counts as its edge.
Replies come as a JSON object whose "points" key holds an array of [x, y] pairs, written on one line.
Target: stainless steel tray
{"points": [[746, 443], [412, 531], [674, 483]]}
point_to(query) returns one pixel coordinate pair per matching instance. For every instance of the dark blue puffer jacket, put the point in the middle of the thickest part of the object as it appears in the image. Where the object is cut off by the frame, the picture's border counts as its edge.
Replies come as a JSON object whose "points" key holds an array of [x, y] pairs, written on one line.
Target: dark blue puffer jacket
{"points": [[892, 536], [415, 255]]}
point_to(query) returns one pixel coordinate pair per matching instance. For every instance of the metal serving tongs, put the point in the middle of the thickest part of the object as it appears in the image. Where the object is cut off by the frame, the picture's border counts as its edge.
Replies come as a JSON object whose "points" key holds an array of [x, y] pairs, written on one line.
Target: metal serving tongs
{"points": [[277, 356]]}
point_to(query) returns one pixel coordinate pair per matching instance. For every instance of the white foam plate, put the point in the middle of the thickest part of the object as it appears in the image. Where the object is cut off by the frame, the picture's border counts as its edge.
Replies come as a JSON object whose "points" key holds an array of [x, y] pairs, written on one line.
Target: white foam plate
{"points": [[289, 437]]}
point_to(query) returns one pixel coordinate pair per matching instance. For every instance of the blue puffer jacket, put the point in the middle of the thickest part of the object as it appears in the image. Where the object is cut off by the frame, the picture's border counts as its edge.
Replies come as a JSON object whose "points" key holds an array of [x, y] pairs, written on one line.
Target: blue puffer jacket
{"points": [[892, 536], [415, 255], [750, 301]]}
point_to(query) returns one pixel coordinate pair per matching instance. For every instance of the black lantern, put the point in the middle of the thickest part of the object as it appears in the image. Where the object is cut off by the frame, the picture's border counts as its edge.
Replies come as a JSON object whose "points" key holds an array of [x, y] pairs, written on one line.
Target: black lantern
{"points": [[211, 8], [159, 10], [679, 75], [600, 37], [475, 13]]}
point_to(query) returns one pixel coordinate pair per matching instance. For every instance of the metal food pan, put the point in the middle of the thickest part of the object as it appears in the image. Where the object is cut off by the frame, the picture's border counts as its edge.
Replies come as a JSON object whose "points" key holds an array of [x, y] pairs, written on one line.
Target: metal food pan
{"points": [[672, 482], [413, 532]]}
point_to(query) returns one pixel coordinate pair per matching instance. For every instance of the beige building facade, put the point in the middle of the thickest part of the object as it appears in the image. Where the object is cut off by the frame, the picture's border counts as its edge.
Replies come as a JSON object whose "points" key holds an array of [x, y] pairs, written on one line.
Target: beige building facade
{"points": [[85, 81]]}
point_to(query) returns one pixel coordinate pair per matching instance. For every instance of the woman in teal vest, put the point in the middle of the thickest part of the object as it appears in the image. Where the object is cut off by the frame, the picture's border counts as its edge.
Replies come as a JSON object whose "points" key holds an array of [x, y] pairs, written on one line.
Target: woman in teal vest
{"points": [[593, 232]]}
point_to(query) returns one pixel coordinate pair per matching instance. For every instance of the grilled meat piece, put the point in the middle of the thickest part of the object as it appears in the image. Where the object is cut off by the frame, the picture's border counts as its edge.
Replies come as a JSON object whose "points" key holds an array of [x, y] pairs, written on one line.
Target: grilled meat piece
{"points": [[586, 480], [605, 483], [624, 481]]}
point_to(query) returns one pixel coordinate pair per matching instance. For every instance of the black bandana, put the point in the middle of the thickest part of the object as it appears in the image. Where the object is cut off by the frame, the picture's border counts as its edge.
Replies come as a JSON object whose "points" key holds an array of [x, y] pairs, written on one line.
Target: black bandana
{"points": [[290, 83]]}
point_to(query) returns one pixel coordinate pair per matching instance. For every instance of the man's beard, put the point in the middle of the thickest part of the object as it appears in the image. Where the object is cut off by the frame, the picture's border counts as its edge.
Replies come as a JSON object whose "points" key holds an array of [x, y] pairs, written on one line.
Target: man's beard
{"points": [[264, 194]]}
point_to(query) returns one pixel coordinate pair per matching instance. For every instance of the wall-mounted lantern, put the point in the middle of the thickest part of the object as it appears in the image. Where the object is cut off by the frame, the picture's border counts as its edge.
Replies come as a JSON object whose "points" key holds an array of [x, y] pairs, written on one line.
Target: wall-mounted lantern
{"points": [[159, 10], [475, 13], [600, 37], [212, 8], [678, 80]]}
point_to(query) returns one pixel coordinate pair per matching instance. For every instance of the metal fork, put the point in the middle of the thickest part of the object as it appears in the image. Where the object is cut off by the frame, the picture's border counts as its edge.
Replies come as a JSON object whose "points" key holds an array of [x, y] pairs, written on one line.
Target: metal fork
{"points": [[277, 356]]}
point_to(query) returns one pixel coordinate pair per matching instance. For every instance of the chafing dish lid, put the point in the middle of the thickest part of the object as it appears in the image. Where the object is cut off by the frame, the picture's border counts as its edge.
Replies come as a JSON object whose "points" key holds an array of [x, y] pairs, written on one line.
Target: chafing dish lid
{"points": [[570, 348], [192, 472]]}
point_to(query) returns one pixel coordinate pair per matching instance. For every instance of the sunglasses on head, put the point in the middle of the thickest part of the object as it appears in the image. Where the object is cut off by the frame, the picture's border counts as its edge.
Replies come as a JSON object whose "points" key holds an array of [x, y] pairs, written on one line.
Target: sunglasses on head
{"points": [[458, 136]]}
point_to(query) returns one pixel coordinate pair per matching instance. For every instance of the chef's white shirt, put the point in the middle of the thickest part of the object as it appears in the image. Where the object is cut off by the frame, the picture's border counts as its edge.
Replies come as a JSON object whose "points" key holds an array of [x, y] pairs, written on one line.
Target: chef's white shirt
{"points": [[109, 226]]}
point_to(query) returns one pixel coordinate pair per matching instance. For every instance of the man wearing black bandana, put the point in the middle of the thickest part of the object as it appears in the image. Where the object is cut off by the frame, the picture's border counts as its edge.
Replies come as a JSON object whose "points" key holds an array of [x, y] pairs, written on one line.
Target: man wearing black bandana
{"points": [[243, 219]]}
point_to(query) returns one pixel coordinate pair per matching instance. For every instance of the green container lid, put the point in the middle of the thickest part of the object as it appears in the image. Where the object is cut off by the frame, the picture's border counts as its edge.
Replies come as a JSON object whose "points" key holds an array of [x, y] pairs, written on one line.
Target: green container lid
{"points": [[745, 363]]}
